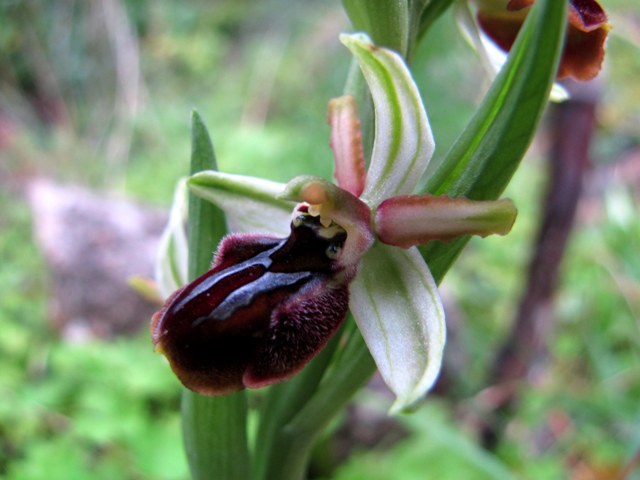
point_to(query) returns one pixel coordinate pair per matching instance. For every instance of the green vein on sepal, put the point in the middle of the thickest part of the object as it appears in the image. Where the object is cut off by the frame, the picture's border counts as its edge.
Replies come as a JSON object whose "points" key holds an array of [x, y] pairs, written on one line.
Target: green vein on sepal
{"points": [[403, 143]]}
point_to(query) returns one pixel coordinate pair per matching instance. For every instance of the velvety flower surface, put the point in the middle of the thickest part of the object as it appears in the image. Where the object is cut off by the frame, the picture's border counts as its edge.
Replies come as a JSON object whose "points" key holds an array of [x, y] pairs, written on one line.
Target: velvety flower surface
{"points": [[269, 304], [265, 307], [587, 32]]}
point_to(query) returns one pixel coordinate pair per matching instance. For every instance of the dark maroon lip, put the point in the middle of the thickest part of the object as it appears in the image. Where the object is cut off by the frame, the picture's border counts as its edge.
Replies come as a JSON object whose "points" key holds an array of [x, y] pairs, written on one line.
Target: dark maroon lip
{"points": [[265, 308]]}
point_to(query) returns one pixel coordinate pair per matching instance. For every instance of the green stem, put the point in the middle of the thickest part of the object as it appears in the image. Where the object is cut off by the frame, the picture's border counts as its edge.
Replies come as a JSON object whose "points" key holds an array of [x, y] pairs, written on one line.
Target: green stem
{"points": [[295, 439], [215, 436], [351, 371], [214, 428], [282, 402]]}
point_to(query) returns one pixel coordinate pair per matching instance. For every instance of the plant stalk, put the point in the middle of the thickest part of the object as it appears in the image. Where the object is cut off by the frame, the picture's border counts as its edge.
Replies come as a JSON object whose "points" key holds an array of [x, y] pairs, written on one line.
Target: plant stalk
{"points": [[214, 428]]}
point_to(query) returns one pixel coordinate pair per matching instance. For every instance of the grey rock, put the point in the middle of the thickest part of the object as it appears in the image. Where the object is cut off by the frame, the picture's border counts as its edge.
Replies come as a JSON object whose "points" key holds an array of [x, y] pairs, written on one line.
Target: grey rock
{"points": [[93, 244]]}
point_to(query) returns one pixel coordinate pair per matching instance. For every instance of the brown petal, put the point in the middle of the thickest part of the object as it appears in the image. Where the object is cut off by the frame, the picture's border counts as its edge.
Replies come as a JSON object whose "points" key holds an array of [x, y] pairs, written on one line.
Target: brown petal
{"points": [[502, 29], [515, 5], [586, 35], [583, 53], [587, 15]]}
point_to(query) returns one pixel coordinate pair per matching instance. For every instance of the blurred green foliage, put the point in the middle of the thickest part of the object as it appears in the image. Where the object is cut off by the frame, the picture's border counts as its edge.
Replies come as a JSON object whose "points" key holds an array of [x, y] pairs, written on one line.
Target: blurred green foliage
{"points": [[261, 73], [92, 410]]}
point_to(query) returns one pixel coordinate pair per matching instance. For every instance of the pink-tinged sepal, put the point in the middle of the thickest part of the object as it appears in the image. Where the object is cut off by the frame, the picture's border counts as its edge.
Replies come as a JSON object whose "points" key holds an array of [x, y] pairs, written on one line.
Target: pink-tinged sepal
{"points": [[346, 143], [411, 220], [264, 309]]}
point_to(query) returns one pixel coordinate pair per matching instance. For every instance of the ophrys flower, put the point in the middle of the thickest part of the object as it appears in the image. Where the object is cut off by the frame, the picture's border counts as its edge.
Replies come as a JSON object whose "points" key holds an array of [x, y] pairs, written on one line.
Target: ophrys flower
{"points": [[269, 304]]}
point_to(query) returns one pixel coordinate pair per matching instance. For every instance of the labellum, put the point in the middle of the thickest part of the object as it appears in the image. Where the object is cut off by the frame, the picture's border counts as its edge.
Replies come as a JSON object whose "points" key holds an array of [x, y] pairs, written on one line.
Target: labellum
{"points": [[265, 308]]}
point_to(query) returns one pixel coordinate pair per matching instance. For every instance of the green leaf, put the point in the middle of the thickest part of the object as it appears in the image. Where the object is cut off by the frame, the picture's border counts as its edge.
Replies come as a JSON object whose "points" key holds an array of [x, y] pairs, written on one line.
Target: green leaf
{"points": [[206, 221], [401, 319], [483, 159], [433, 10], [487, 154], [403, 142], [385, 21], [214, 428], [251, 204]]}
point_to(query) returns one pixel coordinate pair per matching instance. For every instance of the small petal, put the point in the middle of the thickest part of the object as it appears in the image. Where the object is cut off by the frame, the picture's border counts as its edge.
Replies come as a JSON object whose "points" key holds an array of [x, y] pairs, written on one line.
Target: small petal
{"points": [[417, 219], [251, 204], [584, 49], [266, 307], [403, 142], [171, 258], [346, 143], [586, 15], [396, 305]]}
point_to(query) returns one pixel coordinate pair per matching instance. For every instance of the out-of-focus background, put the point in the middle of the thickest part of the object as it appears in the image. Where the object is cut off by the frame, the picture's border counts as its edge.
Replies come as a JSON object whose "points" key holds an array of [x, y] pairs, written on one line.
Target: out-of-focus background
{"points": [[95, 100]]}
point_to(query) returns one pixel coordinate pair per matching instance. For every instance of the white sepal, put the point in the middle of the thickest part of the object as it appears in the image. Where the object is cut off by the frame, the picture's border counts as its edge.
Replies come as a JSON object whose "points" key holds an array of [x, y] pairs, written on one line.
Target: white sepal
{"points": [[403, 143], [396, 305], [250, 203], [172, 256]]}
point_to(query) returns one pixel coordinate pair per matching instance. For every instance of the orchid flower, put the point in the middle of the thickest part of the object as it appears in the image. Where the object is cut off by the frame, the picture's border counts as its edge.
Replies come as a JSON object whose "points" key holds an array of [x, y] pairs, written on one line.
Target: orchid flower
{"points": [[492, 30], [269, 304]]}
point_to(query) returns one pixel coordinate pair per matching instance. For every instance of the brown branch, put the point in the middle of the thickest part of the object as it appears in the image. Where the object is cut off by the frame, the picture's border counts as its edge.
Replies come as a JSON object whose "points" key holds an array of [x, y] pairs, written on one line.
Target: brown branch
{"points": [[571, 127]]}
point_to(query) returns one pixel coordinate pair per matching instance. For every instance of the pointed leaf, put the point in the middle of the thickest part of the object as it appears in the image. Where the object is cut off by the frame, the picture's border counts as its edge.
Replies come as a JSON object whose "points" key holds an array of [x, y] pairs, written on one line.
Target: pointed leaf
{"points": [[491, 56], [416, 219], [208, 449], [398, 310], [403, 142], [251, 204], [207, 223], [486, 155]]}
